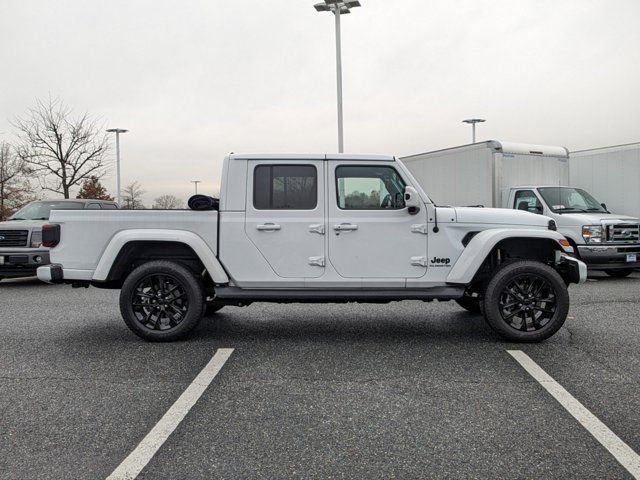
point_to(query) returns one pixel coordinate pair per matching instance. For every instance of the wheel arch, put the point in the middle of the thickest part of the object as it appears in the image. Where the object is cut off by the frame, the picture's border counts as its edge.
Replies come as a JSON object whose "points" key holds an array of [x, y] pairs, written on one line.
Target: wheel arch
{"points": [[129, 249], [490, 247]]}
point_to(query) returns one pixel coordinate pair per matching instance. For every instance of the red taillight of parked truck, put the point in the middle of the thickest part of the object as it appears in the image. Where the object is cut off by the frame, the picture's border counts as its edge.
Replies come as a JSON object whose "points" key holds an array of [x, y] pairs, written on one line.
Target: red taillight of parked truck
{"points": [[50, 235]]}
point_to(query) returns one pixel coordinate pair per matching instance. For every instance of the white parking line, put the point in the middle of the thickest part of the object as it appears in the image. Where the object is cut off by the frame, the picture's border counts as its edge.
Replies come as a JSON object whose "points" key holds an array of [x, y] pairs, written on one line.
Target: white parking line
{"points": [[147, 448], [620, 450]]}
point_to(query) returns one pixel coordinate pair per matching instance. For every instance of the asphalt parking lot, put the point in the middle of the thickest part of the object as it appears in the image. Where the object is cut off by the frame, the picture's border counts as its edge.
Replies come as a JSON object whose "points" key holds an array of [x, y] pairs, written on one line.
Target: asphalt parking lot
{"points": [[403, 390]]}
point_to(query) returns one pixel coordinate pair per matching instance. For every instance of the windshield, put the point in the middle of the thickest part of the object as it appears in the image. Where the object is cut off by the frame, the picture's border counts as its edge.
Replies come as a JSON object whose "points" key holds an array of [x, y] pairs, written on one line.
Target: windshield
{"points": [[570, 200], [42, 210]]}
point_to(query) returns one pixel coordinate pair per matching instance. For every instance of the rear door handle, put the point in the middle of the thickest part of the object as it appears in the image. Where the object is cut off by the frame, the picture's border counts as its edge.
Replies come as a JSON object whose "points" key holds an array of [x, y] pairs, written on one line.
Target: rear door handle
{"points": [[345, 227], [268, 227]]}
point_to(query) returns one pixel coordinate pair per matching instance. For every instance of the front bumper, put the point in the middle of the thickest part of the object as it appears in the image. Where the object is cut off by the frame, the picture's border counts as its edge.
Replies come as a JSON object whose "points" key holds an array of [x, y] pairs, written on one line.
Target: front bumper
{"points": [[22, 262], [572, 269], [608, 257]]}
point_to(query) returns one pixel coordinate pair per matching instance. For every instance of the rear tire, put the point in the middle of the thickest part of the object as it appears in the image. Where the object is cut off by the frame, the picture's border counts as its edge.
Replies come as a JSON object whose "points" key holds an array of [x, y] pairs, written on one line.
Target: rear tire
{"points": [[619, 273], [162, 301], [526, 301]]}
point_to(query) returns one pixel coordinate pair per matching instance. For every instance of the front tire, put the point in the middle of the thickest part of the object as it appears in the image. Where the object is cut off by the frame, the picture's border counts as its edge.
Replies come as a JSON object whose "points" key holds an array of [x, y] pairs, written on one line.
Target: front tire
{"points": [[162, 301], [526, 301], [619, 273]]}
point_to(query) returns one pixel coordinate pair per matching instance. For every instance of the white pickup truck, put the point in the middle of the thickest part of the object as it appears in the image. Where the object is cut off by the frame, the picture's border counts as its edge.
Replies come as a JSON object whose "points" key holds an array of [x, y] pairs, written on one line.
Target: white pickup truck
{"points": [[318, 228], [604, 241]]}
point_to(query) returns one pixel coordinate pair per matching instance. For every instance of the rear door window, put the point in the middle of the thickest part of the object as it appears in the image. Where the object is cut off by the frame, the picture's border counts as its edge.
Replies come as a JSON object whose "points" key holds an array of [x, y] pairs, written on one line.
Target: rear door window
{"points": [[285, 187]]}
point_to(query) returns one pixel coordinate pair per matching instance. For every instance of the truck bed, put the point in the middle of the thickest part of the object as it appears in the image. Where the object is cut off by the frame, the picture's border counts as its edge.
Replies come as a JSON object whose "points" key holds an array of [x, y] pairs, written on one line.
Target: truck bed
{"points": [[85, 234]]}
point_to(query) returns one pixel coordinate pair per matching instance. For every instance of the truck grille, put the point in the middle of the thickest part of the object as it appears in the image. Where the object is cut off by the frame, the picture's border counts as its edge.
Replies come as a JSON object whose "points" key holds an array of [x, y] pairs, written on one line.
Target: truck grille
{"points": [[13, 238], [623, 233]]}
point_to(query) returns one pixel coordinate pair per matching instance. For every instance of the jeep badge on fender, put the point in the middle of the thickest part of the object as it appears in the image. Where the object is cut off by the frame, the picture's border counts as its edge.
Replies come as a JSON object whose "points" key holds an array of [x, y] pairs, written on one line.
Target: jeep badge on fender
{"points": [[444, 262]]}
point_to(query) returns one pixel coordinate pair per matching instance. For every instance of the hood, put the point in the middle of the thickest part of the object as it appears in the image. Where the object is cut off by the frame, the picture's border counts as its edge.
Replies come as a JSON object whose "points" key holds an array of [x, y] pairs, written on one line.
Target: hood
{"points": [[22, 224], [500, 216], [580, 219]]}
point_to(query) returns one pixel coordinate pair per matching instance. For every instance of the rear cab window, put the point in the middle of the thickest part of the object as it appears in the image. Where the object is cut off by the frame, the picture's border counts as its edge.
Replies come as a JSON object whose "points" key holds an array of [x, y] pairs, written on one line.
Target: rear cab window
{"points": [[285, 187]]}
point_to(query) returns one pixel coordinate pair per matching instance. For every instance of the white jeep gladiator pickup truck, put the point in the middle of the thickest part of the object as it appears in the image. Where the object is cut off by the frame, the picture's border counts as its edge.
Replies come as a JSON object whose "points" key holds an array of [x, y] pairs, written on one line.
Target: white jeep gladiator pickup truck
{"points": [[317, 228]]}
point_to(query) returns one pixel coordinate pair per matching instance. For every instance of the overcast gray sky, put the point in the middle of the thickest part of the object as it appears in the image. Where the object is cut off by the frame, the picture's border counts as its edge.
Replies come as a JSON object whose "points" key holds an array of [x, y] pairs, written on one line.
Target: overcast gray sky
{"points": [[193, 80]]}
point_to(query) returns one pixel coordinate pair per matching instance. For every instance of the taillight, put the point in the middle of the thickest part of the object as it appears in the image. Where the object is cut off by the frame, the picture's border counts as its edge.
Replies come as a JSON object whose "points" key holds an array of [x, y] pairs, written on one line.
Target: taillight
{"points": [[50, 235]]}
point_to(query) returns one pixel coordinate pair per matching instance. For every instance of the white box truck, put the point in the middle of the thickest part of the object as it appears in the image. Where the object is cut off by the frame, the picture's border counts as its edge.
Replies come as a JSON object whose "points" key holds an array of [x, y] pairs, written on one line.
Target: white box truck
{"points": [[533, 178], [611, 174]]}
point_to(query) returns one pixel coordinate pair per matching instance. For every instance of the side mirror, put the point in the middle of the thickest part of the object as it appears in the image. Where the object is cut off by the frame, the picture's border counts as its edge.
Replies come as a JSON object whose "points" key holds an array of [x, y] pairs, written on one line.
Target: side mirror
{"points": [[412, 200], [604, 205]]}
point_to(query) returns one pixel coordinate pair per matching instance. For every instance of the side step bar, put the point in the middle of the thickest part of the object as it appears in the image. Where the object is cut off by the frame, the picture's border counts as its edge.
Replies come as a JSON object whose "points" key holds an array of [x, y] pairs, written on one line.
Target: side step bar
{"points": [[231, 294]]}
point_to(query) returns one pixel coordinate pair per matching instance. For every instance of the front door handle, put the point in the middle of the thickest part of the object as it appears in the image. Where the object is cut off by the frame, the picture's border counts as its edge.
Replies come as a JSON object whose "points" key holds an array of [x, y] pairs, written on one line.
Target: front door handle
{"points": [[268, 227], [345, 227]]}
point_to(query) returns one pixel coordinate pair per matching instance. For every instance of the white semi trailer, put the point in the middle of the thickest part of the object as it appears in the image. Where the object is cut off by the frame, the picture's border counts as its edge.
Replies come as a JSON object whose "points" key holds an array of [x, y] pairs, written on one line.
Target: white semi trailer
{"points": [[536, 178], [612, 174]]}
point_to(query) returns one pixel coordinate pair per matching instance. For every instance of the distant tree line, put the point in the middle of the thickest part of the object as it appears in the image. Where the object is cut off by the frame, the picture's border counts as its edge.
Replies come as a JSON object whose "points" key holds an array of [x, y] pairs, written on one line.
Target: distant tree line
{"points": [[61, 152]]}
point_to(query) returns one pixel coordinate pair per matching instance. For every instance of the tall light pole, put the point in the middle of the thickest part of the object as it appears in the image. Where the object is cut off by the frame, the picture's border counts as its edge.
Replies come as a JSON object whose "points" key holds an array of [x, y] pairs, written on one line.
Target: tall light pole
{"points": [[196, 182], [338, 8], [118, 131], [473, 122]]}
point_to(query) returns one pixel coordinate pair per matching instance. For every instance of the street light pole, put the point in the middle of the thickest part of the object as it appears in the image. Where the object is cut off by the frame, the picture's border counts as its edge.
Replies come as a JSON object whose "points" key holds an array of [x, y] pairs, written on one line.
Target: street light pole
{"points": [[473, 122], [339, 81], [338, 8], [118, 131], [196, 182]]}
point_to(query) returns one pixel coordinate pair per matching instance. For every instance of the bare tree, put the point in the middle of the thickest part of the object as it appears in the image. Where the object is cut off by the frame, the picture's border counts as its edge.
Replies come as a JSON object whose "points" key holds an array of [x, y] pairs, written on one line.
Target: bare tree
{"points": [[61, 150], [168, 202], [132, 196], [15, 190]]}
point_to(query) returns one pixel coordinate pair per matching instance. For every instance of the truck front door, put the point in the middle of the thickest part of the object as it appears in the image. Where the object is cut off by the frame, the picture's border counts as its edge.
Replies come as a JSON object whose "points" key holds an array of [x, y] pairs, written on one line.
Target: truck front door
{"points": [[285, 215], [371, 235]]}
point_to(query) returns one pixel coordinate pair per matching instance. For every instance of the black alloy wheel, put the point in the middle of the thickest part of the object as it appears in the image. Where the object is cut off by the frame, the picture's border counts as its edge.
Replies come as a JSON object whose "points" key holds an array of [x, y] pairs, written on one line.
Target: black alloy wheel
{"points": [[160, 302], [528, 303]]}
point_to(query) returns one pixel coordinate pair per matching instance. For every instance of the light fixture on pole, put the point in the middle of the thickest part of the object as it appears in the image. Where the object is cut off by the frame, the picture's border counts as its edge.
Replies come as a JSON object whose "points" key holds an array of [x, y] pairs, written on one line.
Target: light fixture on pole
{"points": [[196, 182], [118, 131], [473, 122], [338, 8]]}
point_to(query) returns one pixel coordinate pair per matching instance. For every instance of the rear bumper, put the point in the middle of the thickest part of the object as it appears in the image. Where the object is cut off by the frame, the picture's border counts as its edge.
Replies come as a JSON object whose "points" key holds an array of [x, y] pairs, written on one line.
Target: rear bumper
{"points": [[22, 262], [51, 274], [607, 257]]}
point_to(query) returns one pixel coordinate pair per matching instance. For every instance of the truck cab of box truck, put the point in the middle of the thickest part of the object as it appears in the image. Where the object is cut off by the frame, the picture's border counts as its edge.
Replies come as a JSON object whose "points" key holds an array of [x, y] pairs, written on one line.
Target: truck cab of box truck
{"points": [[603, 240]]}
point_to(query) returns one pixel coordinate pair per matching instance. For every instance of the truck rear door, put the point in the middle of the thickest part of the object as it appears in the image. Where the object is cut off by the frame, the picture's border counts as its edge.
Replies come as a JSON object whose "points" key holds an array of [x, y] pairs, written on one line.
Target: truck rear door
{"points": [[285, 215]]}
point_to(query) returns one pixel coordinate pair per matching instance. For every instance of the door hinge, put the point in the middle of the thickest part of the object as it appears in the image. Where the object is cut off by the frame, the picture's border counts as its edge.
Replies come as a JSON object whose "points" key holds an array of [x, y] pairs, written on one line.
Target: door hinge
{"points": [[419, 261], [419, 228], [316, 261], [317, 228]]}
